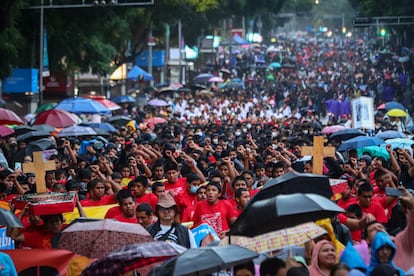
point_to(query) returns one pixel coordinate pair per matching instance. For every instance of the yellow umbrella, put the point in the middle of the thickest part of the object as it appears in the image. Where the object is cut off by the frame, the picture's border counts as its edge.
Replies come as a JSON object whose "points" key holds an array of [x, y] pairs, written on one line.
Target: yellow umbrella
{"points": [[396, 112], [120, 73], [279, 239]]}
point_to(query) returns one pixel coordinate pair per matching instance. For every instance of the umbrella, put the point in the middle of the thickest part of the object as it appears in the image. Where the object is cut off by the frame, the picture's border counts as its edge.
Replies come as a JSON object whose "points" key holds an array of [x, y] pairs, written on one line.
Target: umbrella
{"points": [[119, 120], [215, 79], [396, 112], [203, 78], [155, 120], [138, 73], [39, 145], [204, 261], [82, 106], [108, 104], [7, 218], [275, 65], [96, 239], [124, 99], [8, 117], [360, 142], [44, 107], [345, 134], [402, 143], [294, 182], [234, 85], [374, 151], [276, 240], [44, 127], [390, 134], [6, 131], [226, 71], [33, 135], [394, 105], [55, 118], [332, 129], [104, 126], [140, 257], [381, 106], [23, 129], [158, 102], [77, 131], [282, 211]]}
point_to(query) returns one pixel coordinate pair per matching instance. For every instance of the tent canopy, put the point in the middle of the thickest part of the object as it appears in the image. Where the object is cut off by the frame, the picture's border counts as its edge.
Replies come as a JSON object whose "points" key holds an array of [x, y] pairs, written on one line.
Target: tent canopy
{"points": [[137, 73]]}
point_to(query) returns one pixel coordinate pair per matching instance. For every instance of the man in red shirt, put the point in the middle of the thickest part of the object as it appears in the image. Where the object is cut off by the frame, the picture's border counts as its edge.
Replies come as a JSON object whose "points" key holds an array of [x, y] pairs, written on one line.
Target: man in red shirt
{"points": [[127, 205], [219, 214], [365, 193], [242, 198], [189, 197]]}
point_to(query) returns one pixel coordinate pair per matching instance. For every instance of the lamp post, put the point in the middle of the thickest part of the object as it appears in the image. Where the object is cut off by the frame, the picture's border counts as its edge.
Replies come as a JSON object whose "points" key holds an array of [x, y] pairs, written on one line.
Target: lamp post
{"points": [[41, 54]]}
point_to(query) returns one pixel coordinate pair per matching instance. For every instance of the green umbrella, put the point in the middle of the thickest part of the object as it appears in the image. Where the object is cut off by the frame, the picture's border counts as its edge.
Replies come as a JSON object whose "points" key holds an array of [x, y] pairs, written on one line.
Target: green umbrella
{"points": [[374, 151], [275, 65], [44, 107]]}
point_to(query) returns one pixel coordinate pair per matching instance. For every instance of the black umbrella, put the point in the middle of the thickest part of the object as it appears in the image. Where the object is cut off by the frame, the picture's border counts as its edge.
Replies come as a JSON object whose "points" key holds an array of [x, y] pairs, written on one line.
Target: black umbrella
{"points": [[345, 134], [204, 261], [294, 182], [39, 145], [23, 129], [7, 218], [33, 135], [44, 127], [119, 120], [282, 211]]}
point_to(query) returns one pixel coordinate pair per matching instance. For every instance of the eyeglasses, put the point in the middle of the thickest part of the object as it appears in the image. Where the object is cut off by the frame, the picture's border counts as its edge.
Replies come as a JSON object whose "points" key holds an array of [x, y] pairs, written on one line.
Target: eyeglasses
{"points": [[162, 209]]}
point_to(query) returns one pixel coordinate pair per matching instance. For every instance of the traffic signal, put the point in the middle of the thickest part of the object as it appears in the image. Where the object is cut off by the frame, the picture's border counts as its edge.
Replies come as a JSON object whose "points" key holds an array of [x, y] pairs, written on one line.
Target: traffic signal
{"points": [[383, 32]]}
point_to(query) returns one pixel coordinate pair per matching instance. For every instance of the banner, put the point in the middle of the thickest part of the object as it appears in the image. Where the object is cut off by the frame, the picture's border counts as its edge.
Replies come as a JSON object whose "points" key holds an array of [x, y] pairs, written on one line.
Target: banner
{"points": [[363, 113], [5, 242]]}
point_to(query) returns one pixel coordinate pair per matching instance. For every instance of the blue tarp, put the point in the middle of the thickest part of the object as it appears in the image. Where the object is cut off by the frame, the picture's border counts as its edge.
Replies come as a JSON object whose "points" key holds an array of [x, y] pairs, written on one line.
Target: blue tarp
{"points": [[137, 73]]}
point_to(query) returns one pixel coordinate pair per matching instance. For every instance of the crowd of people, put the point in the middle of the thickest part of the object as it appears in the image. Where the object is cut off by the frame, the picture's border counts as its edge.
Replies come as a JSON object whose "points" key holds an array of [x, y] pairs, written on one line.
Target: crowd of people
{"points": [[216, 152]]}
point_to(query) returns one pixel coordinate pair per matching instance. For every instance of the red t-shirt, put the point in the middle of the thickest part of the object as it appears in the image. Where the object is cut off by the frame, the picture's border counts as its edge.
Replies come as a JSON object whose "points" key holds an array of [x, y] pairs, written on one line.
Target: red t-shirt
{"points": [[178, 187], [122, 218], [113, 212], [151, 199], [185, 200], [188, 214], [38, 239], [377, 211], [105, 200], [218, 215]]}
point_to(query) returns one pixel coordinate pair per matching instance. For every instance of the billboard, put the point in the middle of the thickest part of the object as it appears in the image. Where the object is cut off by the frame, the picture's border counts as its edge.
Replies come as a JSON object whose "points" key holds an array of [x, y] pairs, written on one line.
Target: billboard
{"points": [[22, 80]]}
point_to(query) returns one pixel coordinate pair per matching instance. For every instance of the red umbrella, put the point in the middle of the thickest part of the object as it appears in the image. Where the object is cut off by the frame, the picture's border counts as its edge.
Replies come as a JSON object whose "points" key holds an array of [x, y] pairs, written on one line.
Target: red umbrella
{"points": [[155, 120], [6, 131], [8, 117], [108, 104], [55, 118]]}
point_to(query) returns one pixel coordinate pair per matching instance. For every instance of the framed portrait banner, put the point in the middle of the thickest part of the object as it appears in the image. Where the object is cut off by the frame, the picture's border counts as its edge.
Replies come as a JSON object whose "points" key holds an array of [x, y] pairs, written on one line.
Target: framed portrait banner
{"points": [[363, 113]]}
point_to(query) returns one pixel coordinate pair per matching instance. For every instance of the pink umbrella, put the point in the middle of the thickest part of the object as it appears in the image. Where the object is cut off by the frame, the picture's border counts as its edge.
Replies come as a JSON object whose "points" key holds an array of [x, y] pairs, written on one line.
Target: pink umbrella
{"points": [[332, 129], [108, 104], [8, 117], [381, 106], [215, 79], [156, 120], [6, 131]]}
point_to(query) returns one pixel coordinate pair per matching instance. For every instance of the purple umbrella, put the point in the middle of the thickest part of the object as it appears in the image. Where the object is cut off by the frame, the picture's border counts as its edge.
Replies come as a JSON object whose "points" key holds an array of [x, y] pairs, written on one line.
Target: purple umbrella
{"points": [[158, 102]]}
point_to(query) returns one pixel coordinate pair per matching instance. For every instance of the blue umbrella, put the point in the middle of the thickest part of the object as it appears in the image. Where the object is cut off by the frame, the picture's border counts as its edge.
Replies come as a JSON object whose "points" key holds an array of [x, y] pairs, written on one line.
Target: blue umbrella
{"points": [[77, 131], [202, 78], [123, 99], [402, 143], [394, 105], [82, 106], [104, 126], [390, 134], [137, 73], [360, 142]]}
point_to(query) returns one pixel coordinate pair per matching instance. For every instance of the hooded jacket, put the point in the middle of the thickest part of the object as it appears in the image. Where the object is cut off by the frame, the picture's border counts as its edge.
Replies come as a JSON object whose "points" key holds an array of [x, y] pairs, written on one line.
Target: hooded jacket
{"points": [[381, 239], [352, 258], [314, 269]]}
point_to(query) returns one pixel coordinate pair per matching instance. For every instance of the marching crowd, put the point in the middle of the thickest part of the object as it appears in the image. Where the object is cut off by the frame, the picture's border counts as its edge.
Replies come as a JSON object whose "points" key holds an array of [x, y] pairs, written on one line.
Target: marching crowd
{"points": [[215, 153]]}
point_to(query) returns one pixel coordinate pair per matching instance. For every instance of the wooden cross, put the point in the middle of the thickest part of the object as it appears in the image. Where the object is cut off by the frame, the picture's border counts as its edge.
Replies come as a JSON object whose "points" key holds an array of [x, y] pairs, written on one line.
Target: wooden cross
{"points": [[318, 152], [39, 168]]}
